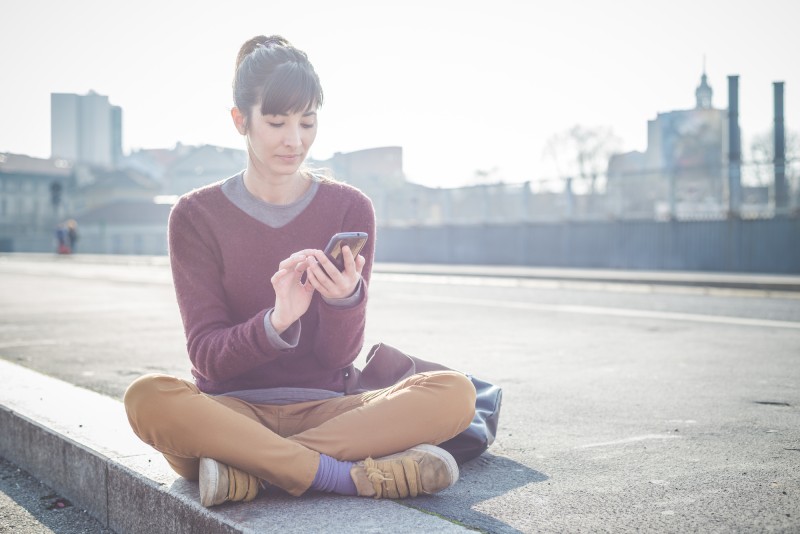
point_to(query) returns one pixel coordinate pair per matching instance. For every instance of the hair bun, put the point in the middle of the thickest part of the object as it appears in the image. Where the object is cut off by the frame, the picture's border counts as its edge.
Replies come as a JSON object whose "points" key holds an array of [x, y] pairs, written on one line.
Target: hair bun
{"points": [[274, 40], [259, 41]]}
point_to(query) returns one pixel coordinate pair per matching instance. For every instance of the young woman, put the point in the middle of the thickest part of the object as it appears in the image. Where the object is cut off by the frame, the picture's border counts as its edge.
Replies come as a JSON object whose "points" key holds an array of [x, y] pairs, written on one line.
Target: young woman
{"points": [[273, 327]]}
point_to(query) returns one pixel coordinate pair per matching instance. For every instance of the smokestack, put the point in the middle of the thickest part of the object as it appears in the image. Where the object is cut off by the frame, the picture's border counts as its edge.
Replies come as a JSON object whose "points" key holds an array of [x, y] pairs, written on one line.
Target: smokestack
{"points": [[734, 148], [781, 187]]}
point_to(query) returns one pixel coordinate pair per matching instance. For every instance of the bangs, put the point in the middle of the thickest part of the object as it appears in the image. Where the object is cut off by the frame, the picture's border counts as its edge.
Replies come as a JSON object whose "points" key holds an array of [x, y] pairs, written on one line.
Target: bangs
{"points": [[293, 89]]}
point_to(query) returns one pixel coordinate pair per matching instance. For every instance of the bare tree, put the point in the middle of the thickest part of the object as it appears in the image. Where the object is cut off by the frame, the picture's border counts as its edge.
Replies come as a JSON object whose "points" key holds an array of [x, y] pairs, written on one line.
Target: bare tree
{"points": [[762, 153], [582, 152]]}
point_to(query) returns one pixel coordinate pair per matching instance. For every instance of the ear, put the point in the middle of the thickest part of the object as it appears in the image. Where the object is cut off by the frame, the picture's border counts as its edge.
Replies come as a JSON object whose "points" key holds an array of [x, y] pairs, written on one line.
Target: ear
{"points": [[239, 120]]}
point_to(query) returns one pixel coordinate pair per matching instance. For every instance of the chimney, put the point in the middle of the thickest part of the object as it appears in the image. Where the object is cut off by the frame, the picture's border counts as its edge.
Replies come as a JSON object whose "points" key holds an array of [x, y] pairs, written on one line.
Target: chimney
{"points": [[781, 187], [734, 148]]}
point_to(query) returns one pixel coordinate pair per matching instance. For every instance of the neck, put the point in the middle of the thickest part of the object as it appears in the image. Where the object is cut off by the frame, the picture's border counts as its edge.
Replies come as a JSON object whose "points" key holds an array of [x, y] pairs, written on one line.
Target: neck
{"points": [[283, 189]]}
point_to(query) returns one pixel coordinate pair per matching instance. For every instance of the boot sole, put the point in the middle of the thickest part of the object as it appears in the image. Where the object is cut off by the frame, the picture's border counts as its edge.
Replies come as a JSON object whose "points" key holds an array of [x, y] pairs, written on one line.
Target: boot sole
{"points": [[209, 482]]}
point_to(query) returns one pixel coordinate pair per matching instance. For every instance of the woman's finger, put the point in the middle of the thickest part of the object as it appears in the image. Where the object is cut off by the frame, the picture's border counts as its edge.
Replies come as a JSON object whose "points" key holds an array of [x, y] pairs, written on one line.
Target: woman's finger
{"points": [[327, 266], [320, 279], [313, 278], [291, 261], [298, 257], [280, 277], [349, 262]]}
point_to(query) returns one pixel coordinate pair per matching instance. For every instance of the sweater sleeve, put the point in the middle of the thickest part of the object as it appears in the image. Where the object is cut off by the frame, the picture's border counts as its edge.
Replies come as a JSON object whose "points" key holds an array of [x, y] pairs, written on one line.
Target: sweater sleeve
{"points": [[340, 335], [219, 348]]}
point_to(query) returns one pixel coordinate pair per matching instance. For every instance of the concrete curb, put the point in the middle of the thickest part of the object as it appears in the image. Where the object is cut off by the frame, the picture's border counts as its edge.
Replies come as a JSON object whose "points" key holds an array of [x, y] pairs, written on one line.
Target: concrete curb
{"points": [[79, 443]]}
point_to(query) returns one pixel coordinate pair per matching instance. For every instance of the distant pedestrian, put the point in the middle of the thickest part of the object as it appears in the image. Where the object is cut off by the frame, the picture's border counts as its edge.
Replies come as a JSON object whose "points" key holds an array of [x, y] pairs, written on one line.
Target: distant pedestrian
{"points": [[62, 239], [273, 326], [72, 234]]}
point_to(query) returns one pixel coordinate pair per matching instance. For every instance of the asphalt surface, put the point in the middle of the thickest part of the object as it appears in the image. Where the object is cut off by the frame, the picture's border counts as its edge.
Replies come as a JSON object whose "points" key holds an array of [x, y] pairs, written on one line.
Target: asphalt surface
{"points": [[28, 506], [627, 407]]}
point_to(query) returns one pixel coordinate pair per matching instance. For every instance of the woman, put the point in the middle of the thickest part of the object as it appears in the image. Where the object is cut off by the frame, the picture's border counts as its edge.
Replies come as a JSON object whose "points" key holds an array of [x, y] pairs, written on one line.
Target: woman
{"points": [[273, 357]]}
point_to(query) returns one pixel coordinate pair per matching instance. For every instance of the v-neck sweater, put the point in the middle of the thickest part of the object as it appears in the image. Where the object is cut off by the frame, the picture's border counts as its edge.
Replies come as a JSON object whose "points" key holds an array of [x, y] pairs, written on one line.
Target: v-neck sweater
{"points": [[222, 259]]}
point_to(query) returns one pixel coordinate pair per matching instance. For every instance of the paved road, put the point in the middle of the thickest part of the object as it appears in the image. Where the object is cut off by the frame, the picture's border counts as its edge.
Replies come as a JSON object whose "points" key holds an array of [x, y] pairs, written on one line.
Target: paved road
{"points": [[626, 407], [29, 507]]}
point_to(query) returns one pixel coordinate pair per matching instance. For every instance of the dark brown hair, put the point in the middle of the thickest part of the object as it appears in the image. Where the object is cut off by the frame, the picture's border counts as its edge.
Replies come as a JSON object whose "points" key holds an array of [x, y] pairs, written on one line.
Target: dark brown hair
{"points": [[272, 72]]}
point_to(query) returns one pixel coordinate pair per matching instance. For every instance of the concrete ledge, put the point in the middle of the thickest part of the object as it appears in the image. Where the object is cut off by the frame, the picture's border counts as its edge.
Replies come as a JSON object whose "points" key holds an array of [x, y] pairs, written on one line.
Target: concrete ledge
{"points": [[52, 458], [79, 443]]}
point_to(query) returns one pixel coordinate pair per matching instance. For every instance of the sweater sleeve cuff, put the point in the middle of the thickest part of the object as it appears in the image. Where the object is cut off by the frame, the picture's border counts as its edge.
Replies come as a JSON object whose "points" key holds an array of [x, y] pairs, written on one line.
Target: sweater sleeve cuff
{"points": [[286, 341], [348, 302]]}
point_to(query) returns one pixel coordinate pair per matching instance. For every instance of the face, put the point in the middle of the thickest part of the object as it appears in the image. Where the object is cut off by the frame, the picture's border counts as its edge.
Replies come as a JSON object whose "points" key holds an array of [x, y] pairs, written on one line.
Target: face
{"points": [[278, 144]]}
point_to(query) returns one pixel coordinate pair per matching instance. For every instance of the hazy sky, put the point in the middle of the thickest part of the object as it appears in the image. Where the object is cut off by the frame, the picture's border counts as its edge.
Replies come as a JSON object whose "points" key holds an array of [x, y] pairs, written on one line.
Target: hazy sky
{"points": [[460, 85]]}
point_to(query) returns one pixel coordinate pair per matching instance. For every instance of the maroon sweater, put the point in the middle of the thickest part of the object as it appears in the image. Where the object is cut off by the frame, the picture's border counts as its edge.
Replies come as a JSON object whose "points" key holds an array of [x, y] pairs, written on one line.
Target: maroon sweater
{"points": [[222, 260]]}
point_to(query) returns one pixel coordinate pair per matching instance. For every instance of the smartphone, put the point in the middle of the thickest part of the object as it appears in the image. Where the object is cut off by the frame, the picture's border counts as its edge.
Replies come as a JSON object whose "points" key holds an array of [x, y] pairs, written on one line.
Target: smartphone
{"points": [[354, 240]]}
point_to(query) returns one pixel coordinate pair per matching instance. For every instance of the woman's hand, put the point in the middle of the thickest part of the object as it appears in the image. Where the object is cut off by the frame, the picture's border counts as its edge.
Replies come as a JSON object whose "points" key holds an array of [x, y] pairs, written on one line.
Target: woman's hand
{"points": [[292, 297], [326, 278]]}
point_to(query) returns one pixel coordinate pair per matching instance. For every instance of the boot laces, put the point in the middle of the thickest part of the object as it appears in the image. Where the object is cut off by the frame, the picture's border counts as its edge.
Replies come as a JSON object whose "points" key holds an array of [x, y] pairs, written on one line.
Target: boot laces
{"points": [[396, 478]]}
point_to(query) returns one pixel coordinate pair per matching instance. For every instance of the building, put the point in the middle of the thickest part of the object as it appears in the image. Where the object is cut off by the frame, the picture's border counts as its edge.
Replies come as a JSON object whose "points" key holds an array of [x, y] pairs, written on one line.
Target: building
{"points": [[184, 168], [100, 186], [85, 129], [124, 227], [682, 172], [372, 170], [202, 165], [35, 194]]}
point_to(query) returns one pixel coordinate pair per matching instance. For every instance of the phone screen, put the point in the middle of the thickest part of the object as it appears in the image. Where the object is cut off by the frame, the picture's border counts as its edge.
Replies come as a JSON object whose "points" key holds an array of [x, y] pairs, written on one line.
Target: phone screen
{"points": [[354, 240]]}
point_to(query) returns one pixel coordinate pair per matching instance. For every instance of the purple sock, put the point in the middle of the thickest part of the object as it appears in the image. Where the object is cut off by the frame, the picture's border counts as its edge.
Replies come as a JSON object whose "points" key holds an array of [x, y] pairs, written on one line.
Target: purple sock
{"points": [[334, 476]]}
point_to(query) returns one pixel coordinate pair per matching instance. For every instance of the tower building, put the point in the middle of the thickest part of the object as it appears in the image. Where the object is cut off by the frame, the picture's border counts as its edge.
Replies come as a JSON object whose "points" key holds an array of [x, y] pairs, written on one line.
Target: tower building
{"points": [[85, 128]]}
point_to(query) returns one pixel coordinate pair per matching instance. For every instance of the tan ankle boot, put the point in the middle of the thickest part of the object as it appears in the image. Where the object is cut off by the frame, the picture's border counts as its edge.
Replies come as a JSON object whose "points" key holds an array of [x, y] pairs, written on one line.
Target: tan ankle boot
{"points": [[424, 469], [220, 483]]}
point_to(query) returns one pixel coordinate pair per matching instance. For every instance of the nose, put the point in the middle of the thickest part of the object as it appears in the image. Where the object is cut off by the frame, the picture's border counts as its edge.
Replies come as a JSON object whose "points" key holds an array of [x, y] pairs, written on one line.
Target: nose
{"points": [[291, 136]]}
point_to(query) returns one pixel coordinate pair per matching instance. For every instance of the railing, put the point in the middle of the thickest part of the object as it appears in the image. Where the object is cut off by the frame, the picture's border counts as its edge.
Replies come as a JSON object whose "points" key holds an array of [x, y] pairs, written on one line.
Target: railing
{"points": [[688, 193]]}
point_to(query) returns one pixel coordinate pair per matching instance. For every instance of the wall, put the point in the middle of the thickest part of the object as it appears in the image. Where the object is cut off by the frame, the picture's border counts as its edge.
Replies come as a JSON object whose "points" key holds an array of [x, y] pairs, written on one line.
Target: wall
{"points": [[768, 246]]}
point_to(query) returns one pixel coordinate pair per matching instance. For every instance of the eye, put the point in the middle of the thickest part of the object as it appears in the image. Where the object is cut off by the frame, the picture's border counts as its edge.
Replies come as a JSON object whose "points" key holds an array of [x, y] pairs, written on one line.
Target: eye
{"points": [[308, 126], [275, 124]]}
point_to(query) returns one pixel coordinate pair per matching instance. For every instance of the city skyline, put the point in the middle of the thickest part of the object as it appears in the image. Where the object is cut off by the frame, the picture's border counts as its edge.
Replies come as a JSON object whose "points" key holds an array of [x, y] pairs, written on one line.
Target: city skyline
{"points": [[459, 86]]}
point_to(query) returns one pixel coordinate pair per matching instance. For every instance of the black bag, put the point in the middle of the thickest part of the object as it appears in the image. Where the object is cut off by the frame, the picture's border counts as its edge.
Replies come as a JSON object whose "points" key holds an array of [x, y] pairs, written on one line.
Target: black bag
{"points": [[481, 432], [387, 365]]}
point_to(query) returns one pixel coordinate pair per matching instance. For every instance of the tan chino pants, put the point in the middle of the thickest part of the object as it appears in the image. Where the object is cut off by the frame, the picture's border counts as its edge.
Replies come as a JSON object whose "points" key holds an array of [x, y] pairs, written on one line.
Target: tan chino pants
{"points": [[282, 444]]}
